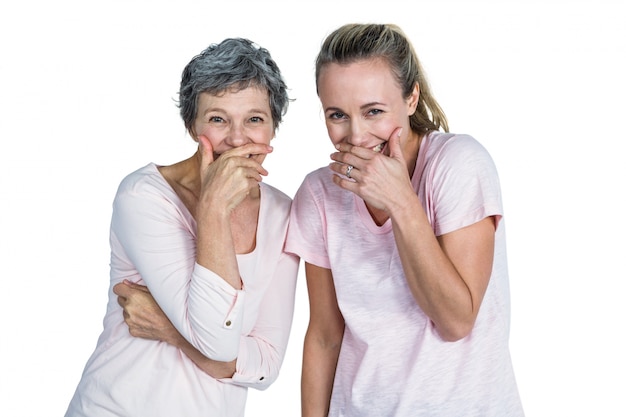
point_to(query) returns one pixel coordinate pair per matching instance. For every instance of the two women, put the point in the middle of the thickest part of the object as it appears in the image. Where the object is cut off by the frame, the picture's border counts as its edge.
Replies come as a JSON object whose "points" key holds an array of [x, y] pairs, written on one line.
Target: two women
{"points": [[404, 247]]}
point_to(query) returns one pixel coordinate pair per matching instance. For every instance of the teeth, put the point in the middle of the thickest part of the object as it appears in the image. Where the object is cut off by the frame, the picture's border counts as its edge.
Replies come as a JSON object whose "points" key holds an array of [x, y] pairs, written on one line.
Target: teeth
{"points": [[379, 147]]}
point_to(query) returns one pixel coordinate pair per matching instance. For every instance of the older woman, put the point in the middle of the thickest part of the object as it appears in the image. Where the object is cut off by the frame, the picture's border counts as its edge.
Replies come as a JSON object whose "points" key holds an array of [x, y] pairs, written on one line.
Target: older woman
{"points": [[204, 237]]}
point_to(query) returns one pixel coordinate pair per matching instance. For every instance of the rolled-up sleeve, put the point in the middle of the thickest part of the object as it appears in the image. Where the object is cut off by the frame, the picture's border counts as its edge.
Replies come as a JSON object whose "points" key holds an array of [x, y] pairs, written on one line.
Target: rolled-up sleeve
{"points": [[262, 351], [215, 315]]}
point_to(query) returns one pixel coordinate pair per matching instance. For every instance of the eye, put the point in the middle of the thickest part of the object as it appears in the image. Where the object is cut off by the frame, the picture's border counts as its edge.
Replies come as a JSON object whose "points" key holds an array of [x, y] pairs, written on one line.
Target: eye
{"points": [[256, 119], [215, 119], [337, 115], [374, 112]]}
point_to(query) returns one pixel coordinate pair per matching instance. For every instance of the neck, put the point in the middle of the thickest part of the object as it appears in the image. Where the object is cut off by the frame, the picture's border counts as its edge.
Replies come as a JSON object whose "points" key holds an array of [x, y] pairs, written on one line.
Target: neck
{"points": [[412, 150]]}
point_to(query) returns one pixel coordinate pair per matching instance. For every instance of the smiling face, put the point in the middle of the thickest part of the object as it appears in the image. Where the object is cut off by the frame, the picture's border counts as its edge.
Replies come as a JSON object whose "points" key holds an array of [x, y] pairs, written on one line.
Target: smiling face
{"points": [[363, 103], [234, 118]]}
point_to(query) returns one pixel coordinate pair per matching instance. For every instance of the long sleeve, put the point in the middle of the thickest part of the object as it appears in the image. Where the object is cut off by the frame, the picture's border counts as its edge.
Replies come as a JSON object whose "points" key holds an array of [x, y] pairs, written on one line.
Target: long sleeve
{"points": [[262, 350], [154, 236], [153, 241]]}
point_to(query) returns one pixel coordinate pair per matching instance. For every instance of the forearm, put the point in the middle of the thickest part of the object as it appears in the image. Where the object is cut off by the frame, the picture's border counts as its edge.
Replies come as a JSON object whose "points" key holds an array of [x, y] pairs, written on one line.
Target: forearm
{"points": [[215, 294], [211, 367], [145, 319], [435, 283], [216, 247], [318, 373], [322, 342]]}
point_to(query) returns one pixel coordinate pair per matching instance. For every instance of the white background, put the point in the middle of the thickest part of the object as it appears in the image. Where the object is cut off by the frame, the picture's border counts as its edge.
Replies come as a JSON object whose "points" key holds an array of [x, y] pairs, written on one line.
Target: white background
{"points": [[86, 96]]}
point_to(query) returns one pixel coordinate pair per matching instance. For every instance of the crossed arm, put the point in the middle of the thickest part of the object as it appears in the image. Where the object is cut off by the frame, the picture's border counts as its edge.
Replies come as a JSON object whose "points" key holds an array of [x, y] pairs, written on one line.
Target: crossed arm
{"points": [[146, 320]]}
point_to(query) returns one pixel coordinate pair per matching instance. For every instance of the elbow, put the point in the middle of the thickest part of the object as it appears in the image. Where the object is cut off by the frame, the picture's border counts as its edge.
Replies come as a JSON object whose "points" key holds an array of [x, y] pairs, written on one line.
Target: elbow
{"points": [[268, 374], [452, 337], [455, 332], [266, 381], [222, 356], [224, 349]]}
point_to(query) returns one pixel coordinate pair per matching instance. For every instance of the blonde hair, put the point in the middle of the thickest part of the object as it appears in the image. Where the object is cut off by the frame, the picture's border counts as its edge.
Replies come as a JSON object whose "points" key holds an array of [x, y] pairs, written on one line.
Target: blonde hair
{"points": [[354, 42]]}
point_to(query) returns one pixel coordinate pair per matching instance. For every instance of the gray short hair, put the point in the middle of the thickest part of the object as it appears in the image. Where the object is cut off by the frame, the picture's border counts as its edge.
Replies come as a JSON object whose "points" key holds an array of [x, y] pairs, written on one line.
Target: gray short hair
{"points": [[234, 63]]}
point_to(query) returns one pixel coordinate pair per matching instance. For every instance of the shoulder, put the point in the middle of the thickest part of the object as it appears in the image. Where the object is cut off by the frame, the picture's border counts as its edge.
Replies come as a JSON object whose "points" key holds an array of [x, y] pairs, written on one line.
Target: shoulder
{"points": [[320, 175], [276, 196], [144, 186], [319, 196], [456, 151], [447, 143], [318, 182], [145, 177]]}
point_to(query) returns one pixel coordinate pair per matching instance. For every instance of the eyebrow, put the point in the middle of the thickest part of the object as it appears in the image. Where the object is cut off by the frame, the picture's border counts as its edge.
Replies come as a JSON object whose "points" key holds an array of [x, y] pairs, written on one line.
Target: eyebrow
{"points": [[259, 111], [221, 110], [363, 107]]}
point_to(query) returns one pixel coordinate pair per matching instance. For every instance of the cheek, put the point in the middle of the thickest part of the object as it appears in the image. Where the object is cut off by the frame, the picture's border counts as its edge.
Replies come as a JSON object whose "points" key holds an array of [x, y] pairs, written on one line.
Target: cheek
{"points": [[264, 135], [212, 134], [385, 128], [337, 132]]}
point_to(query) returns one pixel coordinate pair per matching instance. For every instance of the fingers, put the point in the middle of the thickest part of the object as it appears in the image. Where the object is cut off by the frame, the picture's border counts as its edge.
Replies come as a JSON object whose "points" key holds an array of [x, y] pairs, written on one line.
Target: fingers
{"points": [[395, 150], [246, 156], [229, 177], [395, 135], [206, 151], [250, 150], [136, 286], [242, 156], [247, 151], [120, 289], [125, 289], [351, 154]]}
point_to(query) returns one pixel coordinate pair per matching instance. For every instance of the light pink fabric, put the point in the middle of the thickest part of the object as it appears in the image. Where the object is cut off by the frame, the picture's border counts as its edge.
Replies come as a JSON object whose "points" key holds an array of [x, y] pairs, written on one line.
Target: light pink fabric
{"points": [[153, 237], [392, 361]]}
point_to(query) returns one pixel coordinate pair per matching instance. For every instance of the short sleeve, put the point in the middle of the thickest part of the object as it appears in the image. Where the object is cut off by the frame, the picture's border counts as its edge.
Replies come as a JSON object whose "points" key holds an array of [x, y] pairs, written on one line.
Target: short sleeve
{"points": [[463, 185], [306, 235]]}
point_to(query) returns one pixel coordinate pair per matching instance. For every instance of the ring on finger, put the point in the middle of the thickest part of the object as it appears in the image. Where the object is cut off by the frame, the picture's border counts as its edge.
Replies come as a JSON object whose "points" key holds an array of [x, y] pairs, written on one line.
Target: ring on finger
{"points": [[349, 170]]}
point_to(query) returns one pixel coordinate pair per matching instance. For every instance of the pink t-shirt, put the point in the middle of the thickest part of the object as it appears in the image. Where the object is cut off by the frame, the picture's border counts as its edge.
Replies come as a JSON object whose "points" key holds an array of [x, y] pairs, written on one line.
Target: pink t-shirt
{"points": [[392, 360], [153, 242]]}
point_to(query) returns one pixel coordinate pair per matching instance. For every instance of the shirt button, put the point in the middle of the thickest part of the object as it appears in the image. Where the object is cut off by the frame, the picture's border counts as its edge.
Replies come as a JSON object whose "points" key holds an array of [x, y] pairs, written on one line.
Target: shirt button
{"points": [[228, 323]]}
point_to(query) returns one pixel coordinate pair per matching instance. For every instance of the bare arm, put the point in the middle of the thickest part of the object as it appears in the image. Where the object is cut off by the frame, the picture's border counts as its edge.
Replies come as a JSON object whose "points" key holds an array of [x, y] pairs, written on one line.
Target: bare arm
{"points": [[448, 275], [322, 342], [146, 320]]}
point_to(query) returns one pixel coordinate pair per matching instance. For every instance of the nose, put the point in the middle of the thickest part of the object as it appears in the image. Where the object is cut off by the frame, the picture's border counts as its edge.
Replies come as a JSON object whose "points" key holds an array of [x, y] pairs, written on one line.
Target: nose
{"points": [[237, 135], [358, 133]]}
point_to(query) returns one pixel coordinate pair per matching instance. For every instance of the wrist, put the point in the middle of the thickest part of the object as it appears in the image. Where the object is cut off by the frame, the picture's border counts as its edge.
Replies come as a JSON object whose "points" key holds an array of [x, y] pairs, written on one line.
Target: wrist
{"points": [[405, 205]]}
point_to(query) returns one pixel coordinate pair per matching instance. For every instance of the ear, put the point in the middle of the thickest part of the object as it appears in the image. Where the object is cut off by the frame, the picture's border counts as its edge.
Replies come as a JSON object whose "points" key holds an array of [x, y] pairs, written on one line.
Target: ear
{"points": [[413, 99]]}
